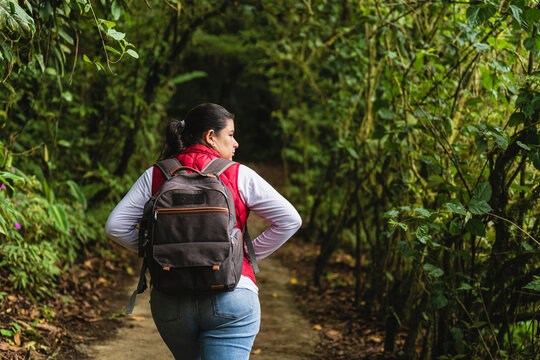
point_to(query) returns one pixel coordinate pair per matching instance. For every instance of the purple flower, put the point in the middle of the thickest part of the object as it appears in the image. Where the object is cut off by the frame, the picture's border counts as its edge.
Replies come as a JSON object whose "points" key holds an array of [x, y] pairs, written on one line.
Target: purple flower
{"points": [[17, 225], [13, 170], [2, 186], [17, 203]]}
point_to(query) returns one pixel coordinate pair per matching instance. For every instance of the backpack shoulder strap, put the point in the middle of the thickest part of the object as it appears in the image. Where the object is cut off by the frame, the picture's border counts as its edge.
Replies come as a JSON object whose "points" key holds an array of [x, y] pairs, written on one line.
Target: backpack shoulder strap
{"points": [[217, 166], [166, 166]]}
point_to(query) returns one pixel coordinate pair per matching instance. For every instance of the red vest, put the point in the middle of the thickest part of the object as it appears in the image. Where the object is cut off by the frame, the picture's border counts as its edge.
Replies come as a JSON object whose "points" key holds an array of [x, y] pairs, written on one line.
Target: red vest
{"points": [[197, 156]]}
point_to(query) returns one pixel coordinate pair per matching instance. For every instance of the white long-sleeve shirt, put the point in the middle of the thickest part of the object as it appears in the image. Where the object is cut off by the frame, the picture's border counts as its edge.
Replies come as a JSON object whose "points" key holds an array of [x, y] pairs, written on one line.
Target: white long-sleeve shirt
{"points": [[259, 196]]}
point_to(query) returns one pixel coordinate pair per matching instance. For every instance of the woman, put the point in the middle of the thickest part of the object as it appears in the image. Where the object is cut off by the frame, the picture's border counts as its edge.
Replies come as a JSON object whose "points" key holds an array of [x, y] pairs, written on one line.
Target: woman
{"points": [[224, 325]]}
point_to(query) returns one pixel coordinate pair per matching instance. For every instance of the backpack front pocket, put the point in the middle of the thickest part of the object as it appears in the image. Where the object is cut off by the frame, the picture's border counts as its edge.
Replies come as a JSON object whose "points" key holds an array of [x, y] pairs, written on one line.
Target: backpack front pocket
{"points": [[191, 225]]}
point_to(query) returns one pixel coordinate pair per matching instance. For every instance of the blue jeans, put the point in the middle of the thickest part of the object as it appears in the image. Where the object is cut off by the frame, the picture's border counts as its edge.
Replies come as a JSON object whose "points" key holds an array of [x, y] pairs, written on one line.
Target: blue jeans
{"points": [[221, 326]]}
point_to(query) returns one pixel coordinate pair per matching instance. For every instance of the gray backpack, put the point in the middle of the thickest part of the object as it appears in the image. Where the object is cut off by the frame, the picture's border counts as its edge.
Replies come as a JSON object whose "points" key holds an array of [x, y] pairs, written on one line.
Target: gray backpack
{"points": [[188, 236]]}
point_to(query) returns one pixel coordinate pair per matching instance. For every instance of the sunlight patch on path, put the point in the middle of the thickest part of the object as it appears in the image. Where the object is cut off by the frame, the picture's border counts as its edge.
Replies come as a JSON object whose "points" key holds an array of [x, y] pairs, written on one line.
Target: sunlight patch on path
{"points": [[137, 339]]}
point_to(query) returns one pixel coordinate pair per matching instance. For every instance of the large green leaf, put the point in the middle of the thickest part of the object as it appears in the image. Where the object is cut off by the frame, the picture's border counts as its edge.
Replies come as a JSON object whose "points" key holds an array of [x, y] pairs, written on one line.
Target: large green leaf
{"points": [[14, 18], [60, 217], [482, 192], [533, 285], [422, 234], [456, 207], [478, 206]]}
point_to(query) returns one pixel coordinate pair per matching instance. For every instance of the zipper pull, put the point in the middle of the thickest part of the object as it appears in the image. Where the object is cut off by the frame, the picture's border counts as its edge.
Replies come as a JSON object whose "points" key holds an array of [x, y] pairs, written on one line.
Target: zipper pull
{"points": [[155, 215]]}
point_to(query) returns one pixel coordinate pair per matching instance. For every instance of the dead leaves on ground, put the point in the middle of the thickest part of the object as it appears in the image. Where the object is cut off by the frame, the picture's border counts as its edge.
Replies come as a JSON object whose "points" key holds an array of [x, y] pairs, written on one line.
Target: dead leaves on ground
{"points": [[31, 330], [346, 333]]}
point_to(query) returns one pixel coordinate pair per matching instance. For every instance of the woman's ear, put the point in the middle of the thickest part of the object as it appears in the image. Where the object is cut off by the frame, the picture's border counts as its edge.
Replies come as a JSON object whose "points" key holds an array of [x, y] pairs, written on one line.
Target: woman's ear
{"points": [[209, 137]]}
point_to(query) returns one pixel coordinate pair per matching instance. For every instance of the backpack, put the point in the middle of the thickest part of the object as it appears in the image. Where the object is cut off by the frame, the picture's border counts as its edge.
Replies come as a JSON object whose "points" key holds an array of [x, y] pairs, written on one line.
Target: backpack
{"points": [[188, 237]]}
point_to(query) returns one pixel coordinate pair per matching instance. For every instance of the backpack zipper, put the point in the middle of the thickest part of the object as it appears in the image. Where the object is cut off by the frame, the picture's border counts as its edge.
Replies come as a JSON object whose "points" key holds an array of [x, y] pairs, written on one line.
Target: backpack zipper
{"points": [[190, 210]]}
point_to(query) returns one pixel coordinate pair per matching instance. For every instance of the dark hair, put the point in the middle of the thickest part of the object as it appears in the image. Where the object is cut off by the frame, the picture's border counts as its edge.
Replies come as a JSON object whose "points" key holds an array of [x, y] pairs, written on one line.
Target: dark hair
{"points": [[181, 134]]}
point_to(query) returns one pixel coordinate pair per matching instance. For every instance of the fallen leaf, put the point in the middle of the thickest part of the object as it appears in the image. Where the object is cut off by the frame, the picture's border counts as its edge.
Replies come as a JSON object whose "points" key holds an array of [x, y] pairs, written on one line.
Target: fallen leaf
{"points": [[374, 338], [317, 327], [256, 352], [333, 335], [276, 295], [136, 318], [17, 339], [48, 327], [294, 281]]}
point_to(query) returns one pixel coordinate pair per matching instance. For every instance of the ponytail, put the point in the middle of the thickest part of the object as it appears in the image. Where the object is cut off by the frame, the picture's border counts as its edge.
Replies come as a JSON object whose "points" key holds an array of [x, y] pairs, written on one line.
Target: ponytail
{"points": [[173, 139]]}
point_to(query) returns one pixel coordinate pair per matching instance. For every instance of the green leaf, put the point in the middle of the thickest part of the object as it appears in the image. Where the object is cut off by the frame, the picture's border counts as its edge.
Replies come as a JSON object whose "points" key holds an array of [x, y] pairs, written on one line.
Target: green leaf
{"points": [[60, 217], [536, 160], [474, 16], [66, 37], [188, 76], [352, 152], [422, 234], [116, 10], [529, 43], [422, 212], [523, 146], [516, 13], [516, 119], [116, 35], [500, 66], [386, 114], [15, 19], [533, 285], [77, 193], [433, 271], [438, 302], [10, 175], [110, 48], [481, 46], [456, 207], [392, 214], [482, 192], [478, 206], [107, 23], [532, 15], [464, 286], [393, 222], [501, 140], [86, 59], [487, 80], [475, 227], [132, 53]]}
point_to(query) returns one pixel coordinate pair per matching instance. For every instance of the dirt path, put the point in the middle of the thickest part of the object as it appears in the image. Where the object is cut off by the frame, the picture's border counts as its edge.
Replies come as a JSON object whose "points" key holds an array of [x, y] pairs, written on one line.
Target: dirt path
{"points": [[285, 334]]}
